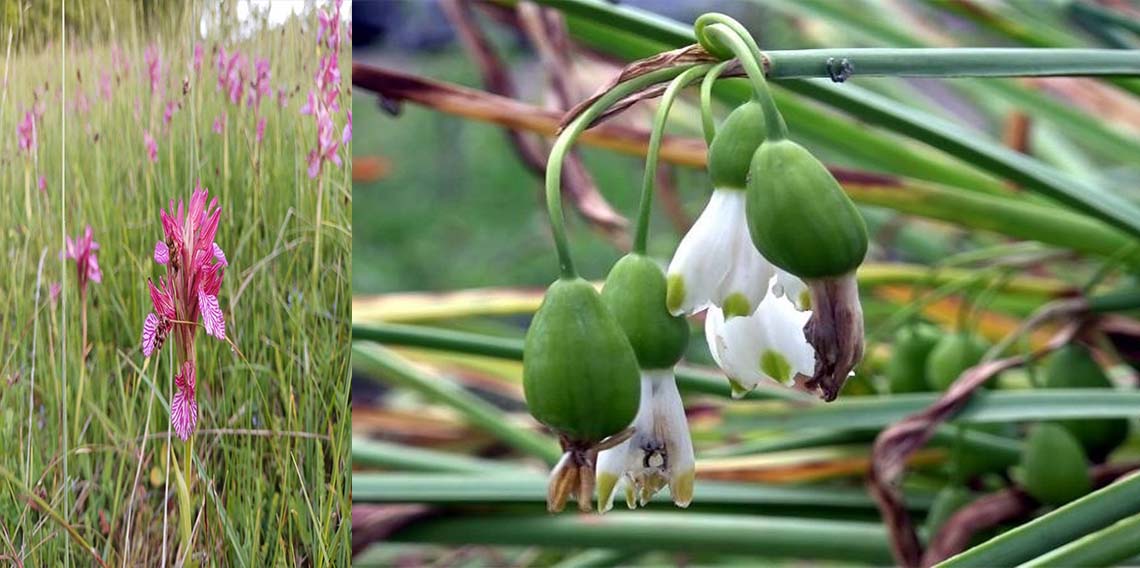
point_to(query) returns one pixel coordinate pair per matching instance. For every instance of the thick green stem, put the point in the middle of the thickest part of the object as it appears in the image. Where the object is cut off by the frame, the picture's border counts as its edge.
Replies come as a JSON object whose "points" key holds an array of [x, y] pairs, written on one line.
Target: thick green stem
{"points": [[655, 136], [566, 140], [771, 537], [723, 32]]}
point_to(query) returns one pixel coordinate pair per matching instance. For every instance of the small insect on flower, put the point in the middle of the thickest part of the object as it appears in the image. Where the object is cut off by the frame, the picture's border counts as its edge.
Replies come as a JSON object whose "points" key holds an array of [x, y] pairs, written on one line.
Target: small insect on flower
{"points": [[82, 251]]}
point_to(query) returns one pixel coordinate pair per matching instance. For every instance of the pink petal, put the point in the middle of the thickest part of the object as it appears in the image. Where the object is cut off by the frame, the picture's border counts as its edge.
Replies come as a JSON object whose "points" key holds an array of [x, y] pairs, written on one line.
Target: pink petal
{"points": [[184, 413], [149, 333], [94, 274], [161, 253], [219, 255], [212, 315]]}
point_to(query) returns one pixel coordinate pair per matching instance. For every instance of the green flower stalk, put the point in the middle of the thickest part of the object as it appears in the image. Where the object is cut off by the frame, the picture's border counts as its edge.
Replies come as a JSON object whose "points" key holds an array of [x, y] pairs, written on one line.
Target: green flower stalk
{"points": [[798, 218], [660, 451]]}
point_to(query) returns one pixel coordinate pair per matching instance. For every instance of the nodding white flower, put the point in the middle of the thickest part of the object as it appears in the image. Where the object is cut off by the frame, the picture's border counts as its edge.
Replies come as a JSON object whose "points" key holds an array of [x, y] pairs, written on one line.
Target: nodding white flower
{"points": [[659, 452], [769, 344], [716, 263], [787, 285]]}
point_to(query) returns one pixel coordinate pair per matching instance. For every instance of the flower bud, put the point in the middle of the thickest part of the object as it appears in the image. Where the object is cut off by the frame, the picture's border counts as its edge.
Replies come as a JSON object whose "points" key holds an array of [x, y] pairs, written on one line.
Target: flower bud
{"points": [[951, 357], [580, 378], [1054, 469], [906, 369], [799, 217], [635, 295], [1072, 367], [731, 151]]}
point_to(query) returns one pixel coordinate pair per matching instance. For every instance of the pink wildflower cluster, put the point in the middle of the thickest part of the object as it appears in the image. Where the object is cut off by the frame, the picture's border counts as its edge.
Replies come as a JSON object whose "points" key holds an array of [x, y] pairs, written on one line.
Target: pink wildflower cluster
{"points": [[195, 265], [82, 251], [324, 101]]}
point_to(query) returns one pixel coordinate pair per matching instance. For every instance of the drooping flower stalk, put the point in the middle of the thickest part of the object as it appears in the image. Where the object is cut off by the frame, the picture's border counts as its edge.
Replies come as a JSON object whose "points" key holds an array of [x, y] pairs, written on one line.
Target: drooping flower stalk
{"points": [[82, 250]]}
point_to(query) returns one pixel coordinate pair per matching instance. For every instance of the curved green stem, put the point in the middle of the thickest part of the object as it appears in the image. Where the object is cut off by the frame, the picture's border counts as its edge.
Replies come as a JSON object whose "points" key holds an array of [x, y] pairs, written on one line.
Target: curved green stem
{"points": [[708, 124], [566, 140], [737, 40], [655, 136]]}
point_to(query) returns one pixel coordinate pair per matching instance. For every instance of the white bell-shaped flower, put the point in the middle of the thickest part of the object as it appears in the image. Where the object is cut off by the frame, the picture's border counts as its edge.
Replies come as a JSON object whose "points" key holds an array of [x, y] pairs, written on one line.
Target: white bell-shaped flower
{"points": [[716, 262], [769, 344], [789, 286], [659, 452]]}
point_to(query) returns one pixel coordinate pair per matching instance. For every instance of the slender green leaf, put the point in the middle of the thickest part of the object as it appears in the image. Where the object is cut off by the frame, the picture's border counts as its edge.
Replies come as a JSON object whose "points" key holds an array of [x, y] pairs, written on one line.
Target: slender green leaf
{"points": [[984, 407], [1043, 534], [373, 453], [522, 487], [1106, 547], [765, 537]]}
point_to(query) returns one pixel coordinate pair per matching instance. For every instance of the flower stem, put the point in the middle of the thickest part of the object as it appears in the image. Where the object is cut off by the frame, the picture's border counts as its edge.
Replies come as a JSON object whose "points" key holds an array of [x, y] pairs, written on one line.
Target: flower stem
{"points": [[317, 237], [655, 136], [721, 33], [708, 125], [566, 140]]}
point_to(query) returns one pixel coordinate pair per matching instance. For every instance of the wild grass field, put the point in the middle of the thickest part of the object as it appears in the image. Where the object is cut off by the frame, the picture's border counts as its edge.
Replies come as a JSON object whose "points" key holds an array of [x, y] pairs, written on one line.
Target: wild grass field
{"points": [[91, 472]]}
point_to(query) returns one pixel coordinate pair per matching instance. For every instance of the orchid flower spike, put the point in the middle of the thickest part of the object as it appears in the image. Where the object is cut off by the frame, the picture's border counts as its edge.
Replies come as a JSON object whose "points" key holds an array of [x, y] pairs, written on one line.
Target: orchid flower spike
{"points": [[659, 453]]}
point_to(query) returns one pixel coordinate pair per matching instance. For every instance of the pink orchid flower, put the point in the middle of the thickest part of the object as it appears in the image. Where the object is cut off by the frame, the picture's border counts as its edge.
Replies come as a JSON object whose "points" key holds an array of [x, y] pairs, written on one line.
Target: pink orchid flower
{"points": [[82, 251], [260, 129], [195, 265], [154, 69], [26, 133]]}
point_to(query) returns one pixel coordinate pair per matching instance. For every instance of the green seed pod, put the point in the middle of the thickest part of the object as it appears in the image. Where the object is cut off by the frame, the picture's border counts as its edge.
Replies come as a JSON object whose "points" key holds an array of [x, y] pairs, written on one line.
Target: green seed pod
{"points": [[635, 295], [952, 355], [731, 151], [799, 217], [580, 374], [906, 369], [946, 503], [1072, 367], [1054, 469]]}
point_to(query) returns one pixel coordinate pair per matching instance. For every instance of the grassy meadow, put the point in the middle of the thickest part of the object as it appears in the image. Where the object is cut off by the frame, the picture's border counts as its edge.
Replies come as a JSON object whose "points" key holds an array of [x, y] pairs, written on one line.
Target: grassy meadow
{"points": [[86, 449]]}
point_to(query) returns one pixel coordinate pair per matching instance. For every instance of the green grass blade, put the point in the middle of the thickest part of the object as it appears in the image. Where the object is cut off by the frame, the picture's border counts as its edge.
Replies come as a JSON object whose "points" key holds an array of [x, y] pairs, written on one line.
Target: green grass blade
{"points": [[530, 488], [765, 537], [984, 407], [381, 362], [373, 453], [1070, 522], [1106, 547]]}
